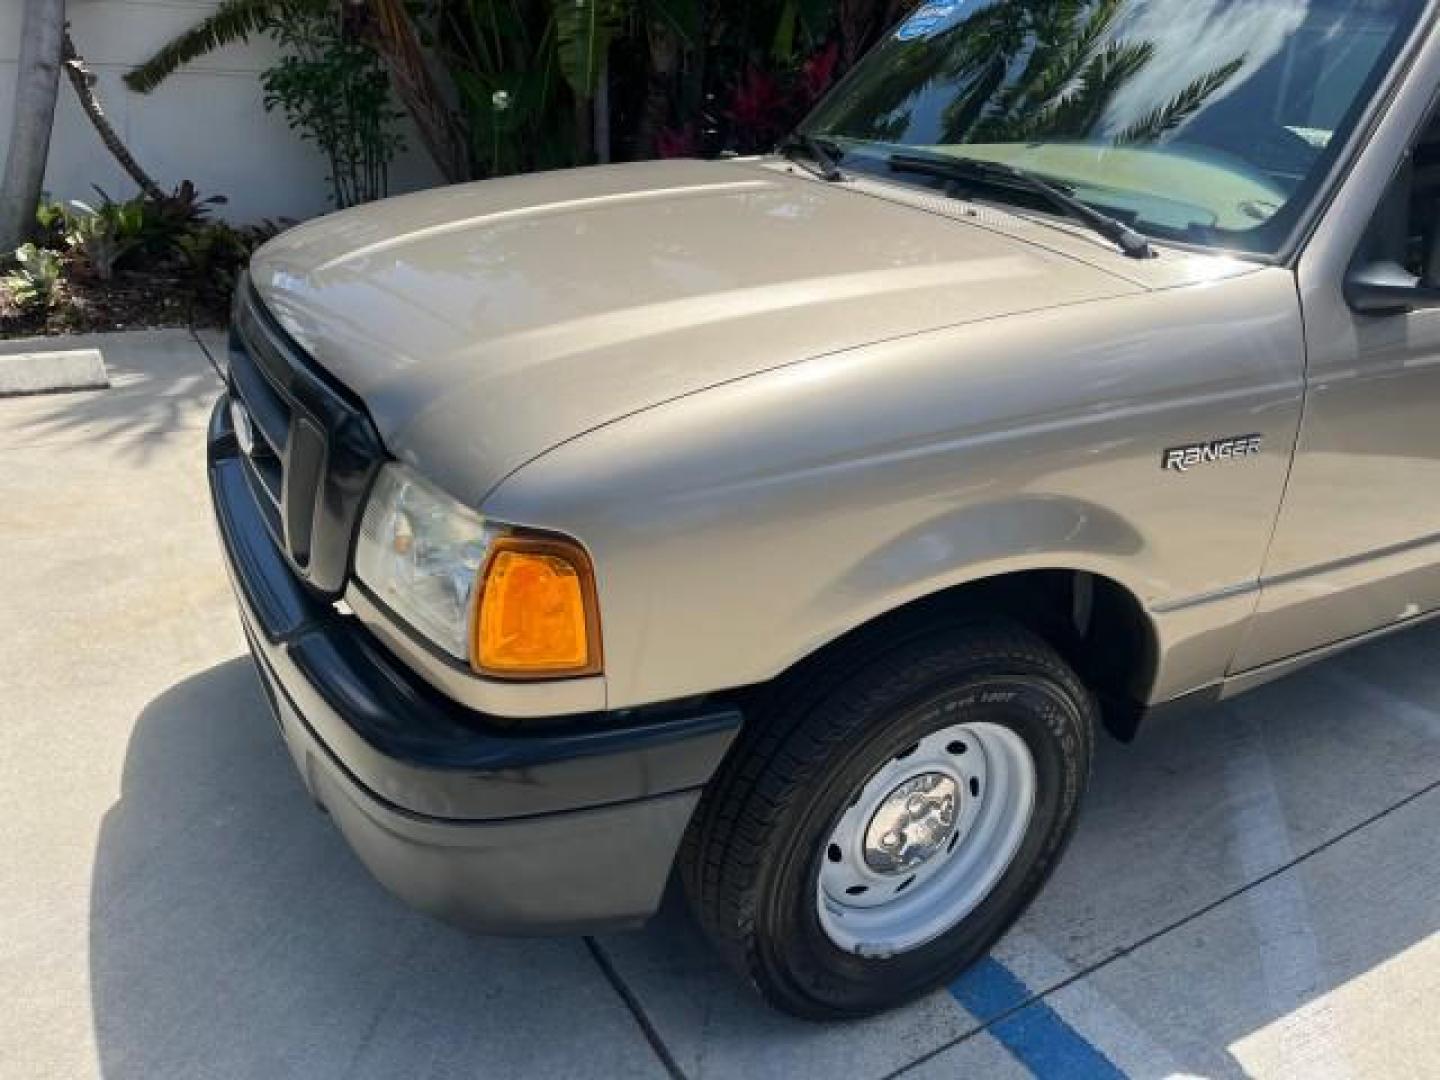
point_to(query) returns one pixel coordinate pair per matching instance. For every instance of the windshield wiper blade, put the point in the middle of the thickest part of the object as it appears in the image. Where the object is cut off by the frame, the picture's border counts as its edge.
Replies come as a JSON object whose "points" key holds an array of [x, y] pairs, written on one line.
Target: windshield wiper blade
{"points": [[820, 151], [996, 174]]}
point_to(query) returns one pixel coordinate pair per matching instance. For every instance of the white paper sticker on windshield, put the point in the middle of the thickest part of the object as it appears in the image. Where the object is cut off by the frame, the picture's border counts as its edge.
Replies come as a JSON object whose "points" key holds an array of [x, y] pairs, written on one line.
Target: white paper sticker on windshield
{"points": [[929, 19]]}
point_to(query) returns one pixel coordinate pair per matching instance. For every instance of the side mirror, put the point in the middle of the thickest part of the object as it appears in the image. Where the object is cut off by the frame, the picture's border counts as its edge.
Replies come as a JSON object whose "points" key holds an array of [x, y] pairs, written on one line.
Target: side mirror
{"points": [[1387, 288]]}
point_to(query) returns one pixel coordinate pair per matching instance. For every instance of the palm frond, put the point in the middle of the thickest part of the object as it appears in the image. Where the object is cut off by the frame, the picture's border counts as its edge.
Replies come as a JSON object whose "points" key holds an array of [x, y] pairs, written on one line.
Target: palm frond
{"points": [[964, 117], [1097, 25], [683, 17], [1181, 107], [1070, 60], [1051, 62], [1051, 94], [232, 21], [1103, 76]]}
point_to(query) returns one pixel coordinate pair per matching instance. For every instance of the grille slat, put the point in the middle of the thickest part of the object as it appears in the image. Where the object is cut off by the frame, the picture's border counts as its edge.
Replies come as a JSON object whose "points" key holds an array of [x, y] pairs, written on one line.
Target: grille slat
{"points": [[269, 411], [264, 489], [314, 450]]}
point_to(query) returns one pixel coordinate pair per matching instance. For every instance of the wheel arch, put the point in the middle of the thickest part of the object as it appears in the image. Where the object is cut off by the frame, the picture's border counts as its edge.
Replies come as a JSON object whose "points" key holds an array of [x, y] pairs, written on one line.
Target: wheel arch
{"points": [[1093, 621]]}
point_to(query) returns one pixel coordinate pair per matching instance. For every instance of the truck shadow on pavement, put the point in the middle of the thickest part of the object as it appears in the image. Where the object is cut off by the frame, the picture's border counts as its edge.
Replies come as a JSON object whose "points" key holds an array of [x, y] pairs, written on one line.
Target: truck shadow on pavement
{"points": [[233, 933], [162, 383], [1231, 872]]}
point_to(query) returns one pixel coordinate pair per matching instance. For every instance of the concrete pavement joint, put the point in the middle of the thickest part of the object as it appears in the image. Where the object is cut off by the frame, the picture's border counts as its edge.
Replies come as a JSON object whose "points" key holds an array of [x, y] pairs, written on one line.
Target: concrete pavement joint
{"points": [[637, 1010], [1289, 953], [991, 1023], [1085, 1008], [391, 995], [214, 364]]}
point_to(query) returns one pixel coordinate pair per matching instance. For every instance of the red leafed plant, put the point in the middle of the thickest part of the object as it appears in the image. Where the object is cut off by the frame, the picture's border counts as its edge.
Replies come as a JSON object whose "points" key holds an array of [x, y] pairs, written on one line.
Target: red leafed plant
{"points": [[817, 73], [764, 105], [760, 109]]}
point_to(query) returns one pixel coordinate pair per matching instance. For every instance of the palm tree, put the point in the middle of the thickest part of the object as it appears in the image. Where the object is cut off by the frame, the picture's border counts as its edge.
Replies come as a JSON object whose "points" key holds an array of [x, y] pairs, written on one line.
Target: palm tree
{"points": [[579, 31], [1021, 70], [231, 22], [82, 80], [398, 44], [36, 87], [1072, 70], [390, 30]]}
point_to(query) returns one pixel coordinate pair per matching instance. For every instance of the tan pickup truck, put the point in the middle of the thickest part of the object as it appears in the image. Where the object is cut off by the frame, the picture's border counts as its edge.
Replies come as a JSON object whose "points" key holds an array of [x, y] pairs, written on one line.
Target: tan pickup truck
{"points": [[795, 524]]}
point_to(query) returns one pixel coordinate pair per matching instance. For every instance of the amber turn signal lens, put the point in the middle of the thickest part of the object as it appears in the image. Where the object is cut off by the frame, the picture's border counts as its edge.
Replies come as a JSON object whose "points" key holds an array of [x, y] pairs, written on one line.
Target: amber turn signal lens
{"points": [[537, 616]]}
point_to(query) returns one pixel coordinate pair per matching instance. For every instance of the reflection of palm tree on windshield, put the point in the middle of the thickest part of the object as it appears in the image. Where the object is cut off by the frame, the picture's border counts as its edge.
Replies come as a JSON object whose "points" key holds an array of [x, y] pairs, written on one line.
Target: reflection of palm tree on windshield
{"points": [[1043, 70]]}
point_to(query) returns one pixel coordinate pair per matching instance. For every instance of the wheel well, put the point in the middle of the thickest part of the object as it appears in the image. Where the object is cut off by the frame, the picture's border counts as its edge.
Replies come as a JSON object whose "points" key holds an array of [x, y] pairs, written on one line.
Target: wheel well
{"points": [[1093, 622]]}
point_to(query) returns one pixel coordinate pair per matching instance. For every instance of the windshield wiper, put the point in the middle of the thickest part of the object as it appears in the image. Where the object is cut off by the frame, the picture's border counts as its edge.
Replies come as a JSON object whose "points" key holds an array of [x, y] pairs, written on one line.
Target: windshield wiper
{"points": [[995, 174], [822, 152]]}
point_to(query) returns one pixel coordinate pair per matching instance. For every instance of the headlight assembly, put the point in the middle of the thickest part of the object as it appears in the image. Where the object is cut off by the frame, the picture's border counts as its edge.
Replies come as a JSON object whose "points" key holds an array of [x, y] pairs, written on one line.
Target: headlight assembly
{"points": [[421, 553], [515, 605]]}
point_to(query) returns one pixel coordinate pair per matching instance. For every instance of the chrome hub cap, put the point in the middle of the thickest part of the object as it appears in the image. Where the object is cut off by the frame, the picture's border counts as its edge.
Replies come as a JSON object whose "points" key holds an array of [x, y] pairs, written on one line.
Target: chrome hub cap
{"points": [[912, 824], [925, 839]]}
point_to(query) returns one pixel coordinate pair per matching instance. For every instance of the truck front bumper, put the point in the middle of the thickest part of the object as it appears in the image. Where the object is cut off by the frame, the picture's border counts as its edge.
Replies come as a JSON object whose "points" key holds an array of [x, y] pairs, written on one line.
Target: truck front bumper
{"points": [[562, 826]]}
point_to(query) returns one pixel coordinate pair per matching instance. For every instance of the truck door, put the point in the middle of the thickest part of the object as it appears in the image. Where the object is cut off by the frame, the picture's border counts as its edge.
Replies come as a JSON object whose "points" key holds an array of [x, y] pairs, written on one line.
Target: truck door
{"points": [[1357, 544]]}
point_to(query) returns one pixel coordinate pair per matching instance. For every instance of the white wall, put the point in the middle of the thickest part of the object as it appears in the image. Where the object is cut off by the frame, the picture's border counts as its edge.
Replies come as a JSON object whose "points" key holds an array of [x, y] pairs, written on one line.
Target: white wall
{"points": [[205, 124]]}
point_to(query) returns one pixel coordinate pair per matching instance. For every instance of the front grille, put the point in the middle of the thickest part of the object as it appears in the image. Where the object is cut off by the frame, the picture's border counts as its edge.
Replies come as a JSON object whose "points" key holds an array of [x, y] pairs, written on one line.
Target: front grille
{"points": [[312, 450]]}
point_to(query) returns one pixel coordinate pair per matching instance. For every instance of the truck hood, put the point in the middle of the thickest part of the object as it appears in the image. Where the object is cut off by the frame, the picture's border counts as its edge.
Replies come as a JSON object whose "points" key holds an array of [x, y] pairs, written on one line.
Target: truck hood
{"points": [[484, 324]]}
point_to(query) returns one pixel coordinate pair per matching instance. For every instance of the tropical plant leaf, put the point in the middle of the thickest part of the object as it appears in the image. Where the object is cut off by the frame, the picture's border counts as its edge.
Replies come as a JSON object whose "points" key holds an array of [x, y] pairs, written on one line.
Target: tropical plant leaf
{"points": [[34, 281], [1068, 71], [1097, 24], [809, 20], [817, 17], [783, 46], [1051, 62], [1078, 112], [1180, 108], [681, 16], [232, 21], [965, 116], [584, 30], [1064, 48]]}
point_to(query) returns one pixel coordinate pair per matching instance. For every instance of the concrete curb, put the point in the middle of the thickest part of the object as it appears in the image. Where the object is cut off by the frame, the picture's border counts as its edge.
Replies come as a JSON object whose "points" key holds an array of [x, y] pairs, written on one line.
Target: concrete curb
{"points": [[52, 371]]}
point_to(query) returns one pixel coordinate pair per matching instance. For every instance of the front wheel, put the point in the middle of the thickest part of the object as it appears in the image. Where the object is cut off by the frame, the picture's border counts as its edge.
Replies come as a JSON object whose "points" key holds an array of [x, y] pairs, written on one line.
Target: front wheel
{"points": [[873, 835]]}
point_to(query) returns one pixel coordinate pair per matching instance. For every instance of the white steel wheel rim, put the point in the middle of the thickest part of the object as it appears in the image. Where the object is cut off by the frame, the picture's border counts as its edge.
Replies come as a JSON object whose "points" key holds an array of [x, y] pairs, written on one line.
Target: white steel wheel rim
{"points": [[926, 839]]}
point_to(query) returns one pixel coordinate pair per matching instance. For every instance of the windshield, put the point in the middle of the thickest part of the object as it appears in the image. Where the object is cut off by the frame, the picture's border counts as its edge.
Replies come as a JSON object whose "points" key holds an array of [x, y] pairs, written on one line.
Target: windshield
{"points": [[1204, 121]]}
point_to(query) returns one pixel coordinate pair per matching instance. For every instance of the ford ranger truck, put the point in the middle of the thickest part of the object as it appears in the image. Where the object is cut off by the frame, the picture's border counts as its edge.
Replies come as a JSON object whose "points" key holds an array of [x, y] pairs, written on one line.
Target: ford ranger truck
{"points": [[794, 525]]}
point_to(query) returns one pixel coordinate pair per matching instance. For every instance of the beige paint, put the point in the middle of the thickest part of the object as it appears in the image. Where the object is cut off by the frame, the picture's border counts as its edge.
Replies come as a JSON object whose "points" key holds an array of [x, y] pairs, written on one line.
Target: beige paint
{"points": [[774, 408]]}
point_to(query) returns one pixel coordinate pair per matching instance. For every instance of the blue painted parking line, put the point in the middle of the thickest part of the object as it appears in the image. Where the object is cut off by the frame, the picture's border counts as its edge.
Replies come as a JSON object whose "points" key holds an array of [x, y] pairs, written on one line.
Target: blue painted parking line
{"points": [[1036, 1035]]}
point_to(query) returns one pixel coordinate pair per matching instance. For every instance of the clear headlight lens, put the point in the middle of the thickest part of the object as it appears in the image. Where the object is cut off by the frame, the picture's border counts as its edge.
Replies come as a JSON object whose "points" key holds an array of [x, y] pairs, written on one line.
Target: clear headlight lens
{"points": [[421, 552]]}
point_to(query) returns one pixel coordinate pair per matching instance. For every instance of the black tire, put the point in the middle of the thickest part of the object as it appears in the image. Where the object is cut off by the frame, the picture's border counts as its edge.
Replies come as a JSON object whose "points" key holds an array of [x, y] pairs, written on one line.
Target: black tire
{"points": [[751, 855]]}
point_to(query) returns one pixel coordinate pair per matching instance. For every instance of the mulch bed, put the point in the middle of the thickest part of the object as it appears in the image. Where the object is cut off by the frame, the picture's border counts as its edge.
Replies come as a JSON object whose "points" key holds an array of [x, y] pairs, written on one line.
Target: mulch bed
{"points": [[135, 301]]}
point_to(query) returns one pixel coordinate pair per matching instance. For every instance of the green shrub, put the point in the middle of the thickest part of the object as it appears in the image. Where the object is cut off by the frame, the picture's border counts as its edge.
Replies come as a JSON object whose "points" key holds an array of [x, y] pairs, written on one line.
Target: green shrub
{"points": [[212, 255], [334, 91], [51, 224], [166, 221], [188, 262], [36, 278], [102, 237]]}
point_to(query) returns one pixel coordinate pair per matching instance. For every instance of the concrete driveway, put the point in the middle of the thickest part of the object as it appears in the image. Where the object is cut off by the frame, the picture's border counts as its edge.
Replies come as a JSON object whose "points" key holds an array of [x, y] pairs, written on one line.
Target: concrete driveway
{"points": [[1255, 890]]}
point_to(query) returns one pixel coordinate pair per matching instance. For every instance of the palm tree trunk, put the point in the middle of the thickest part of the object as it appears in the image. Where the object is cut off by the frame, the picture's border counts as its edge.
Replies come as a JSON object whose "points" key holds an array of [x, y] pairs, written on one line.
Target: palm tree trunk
{"points": [[394, 37], [83, 81], [664, 61], [36, 85], [602, 113], [584, 130]]}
